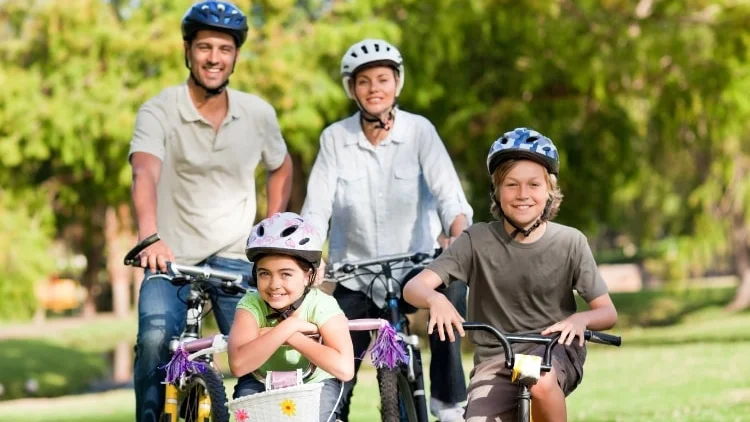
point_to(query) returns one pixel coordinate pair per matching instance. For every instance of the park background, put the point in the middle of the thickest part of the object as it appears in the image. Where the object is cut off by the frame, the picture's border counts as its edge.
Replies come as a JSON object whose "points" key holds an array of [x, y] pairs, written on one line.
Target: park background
{"points": [[647, 101]]}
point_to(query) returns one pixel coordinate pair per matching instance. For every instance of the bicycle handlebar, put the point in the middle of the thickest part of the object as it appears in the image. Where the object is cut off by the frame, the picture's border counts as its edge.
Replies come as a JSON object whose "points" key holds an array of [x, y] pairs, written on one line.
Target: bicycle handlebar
{"points": [[506, 340], [348, 267], [232, 281]]}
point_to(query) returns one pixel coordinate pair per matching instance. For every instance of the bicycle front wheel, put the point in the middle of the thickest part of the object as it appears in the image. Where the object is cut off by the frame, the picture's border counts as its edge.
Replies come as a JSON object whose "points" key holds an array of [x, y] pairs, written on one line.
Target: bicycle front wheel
{"points": [[202, 400], [396, 400]]}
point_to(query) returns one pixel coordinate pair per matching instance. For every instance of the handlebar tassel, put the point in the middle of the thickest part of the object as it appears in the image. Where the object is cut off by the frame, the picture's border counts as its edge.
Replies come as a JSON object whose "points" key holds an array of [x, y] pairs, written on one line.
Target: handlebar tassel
{"points": [[180, 365], [388, 350]]}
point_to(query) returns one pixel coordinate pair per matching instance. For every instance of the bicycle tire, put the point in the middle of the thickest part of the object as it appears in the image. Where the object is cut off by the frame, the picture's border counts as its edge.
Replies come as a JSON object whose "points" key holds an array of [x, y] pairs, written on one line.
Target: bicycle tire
{"points": [[201, 387], [407, 406], [388, 386]]}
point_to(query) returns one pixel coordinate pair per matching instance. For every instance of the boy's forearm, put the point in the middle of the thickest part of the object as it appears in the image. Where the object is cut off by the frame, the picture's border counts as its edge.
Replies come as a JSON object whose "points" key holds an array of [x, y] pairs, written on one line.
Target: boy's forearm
{"points": [[601, 318]]}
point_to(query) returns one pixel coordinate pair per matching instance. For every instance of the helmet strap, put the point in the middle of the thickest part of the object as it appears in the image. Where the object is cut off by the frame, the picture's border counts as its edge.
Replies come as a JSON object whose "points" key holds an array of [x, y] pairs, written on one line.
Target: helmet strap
{"points": [[282, 314], [518, 228], [210, 92], [366, 116]]}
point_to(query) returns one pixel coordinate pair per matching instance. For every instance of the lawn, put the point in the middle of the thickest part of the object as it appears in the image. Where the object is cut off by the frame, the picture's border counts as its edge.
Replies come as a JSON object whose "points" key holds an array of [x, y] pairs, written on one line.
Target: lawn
{"points": [[694, 370]]}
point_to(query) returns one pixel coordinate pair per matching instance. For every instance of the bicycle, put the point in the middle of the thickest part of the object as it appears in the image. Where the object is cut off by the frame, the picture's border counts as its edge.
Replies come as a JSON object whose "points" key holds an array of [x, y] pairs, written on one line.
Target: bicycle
{"points": [[195, 395], [527, 375], [402, 393]]}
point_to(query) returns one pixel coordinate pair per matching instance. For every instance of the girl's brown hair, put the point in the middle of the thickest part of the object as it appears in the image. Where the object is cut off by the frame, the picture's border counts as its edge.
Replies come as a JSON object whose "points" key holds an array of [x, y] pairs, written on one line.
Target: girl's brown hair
{"points": [[501, 172]]}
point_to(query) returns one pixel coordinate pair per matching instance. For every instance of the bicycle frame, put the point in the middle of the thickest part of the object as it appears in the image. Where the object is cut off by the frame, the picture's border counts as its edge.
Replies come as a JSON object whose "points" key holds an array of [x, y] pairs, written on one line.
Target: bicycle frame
{"points": [[198, 278], [506, 342], [412, 370]]}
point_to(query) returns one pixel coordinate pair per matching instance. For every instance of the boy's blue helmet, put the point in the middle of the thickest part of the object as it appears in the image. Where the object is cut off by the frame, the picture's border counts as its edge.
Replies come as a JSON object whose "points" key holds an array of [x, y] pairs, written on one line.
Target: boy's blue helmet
{"points": [[523, 143], [218, 16]]}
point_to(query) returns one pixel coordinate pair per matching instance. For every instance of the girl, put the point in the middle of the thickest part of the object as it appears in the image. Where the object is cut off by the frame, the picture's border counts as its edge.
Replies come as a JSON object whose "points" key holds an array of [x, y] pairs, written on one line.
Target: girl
{"points": [[269, 327], [522, 270]]}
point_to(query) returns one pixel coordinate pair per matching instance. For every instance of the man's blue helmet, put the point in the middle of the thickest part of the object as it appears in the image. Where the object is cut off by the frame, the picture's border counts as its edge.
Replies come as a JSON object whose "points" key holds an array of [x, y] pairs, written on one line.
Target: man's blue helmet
{"points": [[215, 15], [523, 143]]}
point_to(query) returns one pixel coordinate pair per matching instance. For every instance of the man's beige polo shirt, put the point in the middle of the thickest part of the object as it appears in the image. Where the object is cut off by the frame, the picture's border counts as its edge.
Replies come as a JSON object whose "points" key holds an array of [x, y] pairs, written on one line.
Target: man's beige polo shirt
{"points": [[206, 192]]}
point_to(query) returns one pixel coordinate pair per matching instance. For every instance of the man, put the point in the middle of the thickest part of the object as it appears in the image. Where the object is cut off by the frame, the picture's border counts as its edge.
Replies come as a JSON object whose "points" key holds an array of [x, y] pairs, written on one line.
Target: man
{"points": [[194, 152]]}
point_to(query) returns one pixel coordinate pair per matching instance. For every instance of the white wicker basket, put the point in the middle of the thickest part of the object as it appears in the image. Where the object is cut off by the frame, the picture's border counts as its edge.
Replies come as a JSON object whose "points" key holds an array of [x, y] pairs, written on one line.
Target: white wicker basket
{"points": [[300, 403]]}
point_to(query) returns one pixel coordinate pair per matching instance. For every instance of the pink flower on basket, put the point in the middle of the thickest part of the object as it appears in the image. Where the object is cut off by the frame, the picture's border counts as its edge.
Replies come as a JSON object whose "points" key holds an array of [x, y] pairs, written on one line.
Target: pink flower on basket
{"points": [[241, 415]]}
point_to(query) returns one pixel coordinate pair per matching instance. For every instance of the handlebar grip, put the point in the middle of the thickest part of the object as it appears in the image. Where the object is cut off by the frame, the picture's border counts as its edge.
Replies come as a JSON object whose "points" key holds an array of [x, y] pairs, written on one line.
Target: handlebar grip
{"points": [[143, 244], [603, 338]]}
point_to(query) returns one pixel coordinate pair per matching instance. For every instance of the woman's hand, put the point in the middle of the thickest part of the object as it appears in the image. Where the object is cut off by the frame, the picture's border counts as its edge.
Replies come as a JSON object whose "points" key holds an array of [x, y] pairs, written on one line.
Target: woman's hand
{"points": [[569, 328], [444, 316]]}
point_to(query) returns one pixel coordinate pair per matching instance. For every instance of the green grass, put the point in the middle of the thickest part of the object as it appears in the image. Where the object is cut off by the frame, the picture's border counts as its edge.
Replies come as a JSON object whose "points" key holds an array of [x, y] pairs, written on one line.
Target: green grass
{"points": [[693, 370], [62, 361]]}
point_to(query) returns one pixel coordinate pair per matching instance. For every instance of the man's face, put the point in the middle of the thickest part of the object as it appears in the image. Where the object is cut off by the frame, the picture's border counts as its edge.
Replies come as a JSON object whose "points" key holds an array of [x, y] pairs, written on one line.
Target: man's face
{"points": [[211, 56]]}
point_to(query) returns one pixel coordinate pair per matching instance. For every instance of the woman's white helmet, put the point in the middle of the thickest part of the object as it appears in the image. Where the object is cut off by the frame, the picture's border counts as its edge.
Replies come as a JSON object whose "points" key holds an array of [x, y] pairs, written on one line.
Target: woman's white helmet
{"points": [[371, 51], [285, 233]]}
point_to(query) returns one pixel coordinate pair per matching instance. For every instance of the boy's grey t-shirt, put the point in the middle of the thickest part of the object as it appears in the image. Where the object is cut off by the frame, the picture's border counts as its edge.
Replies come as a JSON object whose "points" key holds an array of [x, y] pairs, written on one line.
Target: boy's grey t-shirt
{"points": [[519, 287]]}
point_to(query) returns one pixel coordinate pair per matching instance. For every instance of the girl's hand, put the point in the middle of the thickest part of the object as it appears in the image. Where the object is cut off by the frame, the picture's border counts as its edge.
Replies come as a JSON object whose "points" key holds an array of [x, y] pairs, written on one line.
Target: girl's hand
{"points": [[569, 328], [303, 326], [444, 316]]}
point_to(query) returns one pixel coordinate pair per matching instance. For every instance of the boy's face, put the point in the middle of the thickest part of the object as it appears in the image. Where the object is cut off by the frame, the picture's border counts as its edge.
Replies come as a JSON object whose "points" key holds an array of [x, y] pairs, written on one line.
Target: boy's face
{"points": [[524, 192]]}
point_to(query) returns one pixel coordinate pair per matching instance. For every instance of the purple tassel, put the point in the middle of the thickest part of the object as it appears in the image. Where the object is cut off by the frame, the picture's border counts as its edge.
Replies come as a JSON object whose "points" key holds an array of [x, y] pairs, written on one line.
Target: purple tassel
{"points": [[179, 365], [388, 350]]}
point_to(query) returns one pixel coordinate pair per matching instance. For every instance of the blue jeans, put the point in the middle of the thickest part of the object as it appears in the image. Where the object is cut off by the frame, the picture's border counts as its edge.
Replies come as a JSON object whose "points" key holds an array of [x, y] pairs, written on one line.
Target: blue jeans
{"points": [[330, 395], [161, 316]]}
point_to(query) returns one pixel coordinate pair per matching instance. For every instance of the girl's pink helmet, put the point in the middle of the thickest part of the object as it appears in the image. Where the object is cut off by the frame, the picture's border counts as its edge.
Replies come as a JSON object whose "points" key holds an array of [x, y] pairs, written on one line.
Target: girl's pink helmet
{"points": [[285, 233]]}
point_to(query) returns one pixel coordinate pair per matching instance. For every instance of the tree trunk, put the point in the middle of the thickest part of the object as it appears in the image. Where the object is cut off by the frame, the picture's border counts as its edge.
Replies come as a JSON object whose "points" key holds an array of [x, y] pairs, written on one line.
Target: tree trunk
{"points": [[299, 185], [120, 238], [93, 247], [741, 251]]}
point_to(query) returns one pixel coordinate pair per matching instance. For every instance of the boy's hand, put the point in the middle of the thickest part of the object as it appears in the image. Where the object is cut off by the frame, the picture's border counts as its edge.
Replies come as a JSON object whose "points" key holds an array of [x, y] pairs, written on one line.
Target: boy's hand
{"points": [[569, 328], [445, 317]]}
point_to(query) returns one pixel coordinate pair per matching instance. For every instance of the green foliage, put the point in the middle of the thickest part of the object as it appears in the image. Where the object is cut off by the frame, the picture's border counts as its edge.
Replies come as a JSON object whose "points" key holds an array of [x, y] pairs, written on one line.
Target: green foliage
{"points": [[24, 253], [646, 101]]}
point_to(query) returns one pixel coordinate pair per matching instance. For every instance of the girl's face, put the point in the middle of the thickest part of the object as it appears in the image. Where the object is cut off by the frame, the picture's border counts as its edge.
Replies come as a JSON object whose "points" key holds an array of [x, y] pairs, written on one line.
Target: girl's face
{"points": [[375, 88], [523, 192], [281, 280]]}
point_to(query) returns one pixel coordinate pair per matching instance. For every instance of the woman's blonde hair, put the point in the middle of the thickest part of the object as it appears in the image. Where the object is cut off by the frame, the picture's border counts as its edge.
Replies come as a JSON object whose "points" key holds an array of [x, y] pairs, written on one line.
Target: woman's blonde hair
{"points": [[555, 194]]}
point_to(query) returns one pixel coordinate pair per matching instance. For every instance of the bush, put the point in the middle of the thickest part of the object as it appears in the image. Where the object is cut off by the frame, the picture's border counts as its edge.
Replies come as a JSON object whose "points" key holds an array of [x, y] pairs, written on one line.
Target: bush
{"points": [[24, 255]]}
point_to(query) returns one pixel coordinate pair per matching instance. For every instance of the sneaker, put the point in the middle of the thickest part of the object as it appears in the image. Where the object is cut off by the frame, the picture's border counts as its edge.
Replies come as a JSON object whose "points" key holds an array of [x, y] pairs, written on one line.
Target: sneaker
{"points": [[446, 412]]}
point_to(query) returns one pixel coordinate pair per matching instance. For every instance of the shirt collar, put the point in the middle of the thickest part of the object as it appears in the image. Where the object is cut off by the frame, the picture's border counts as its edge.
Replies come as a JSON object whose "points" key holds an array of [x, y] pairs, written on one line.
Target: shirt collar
{"points": [[397, 135], [190, 114]]}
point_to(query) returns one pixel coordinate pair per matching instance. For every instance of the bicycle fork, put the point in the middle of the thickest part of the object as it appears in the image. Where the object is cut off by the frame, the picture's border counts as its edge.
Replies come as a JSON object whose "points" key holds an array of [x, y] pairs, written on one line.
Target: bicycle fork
{"points": [[415, 376]]}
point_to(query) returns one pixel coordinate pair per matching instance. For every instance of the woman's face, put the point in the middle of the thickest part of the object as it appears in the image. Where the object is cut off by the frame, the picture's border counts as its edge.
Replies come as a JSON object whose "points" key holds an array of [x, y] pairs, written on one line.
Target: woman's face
{"points": [[523, 193], [375, 89], [281, 280]]}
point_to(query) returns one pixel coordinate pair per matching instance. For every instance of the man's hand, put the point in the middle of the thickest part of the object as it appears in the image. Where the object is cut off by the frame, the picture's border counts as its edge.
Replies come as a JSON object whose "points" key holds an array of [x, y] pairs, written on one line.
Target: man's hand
{"points": [[156, 256]]}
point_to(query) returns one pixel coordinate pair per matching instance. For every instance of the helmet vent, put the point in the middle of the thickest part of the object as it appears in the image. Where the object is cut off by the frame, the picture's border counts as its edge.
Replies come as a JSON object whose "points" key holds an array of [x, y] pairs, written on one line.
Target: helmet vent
{"points": [[289, 230], [531, 139], [304, 241], [261, 231], [504, 140], [364, 49], [377, 47]]}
